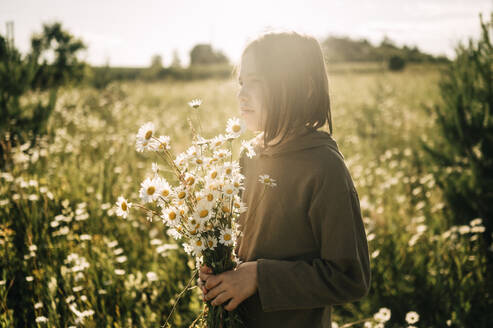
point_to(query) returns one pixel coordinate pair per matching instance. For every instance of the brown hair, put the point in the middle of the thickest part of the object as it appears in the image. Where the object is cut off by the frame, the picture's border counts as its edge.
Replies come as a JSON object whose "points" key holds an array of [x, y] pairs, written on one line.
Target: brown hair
{"points": [[297, 89]]}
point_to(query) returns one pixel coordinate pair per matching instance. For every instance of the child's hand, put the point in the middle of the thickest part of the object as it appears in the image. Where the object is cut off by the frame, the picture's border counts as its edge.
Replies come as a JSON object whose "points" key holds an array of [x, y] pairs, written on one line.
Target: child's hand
{"points": [[233, 286], [204, 270]]}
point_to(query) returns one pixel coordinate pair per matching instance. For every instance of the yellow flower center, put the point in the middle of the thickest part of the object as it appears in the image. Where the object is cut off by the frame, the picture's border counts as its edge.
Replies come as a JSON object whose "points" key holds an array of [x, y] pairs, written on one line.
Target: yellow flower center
{"points": [[210, 197], [148, 134], [228, 171], [225, 209], [151, 190], [165, 192], [199, 161], [236, 128], [214, 174], [162, 145], [203, 213], [172, 215], [227, 236], [236, 184], [229, 191], [198, 243], [124, 206], [181, 194], [267, 180], [210, 243], [190, 180]]}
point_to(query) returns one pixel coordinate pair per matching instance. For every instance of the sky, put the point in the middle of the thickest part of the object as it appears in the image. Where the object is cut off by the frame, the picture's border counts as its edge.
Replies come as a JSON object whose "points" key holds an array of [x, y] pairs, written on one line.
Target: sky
{"points": [[129, 33]]}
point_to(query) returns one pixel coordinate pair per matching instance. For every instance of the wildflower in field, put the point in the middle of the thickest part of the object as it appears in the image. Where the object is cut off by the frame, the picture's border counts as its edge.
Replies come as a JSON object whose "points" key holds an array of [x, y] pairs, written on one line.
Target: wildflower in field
{"points": [[123, 207], [38, 305], [41, 319], [476, 222], [29, 278], [412, 317], [382, 315], [195, 103], [235, 127], [119, 272], [152, 276], [267, 180]]}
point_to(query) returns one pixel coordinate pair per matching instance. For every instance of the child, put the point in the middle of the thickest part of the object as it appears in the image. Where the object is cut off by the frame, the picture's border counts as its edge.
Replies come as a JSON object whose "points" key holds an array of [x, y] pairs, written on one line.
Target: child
{"points": [[303, 242]]}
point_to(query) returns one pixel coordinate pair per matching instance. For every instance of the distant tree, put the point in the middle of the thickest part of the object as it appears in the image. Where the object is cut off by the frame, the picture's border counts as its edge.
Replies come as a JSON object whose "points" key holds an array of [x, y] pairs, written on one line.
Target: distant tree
{"points": [[64, 67], [22, 121], [203, 54], [175, 62], [157, 62]]}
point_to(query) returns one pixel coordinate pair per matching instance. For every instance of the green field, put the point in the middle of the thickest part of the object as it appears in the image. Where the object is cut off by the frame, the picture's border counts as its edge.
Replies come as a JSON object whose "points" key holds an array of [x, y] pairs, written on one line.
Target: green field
{"points": [[67, 257]]}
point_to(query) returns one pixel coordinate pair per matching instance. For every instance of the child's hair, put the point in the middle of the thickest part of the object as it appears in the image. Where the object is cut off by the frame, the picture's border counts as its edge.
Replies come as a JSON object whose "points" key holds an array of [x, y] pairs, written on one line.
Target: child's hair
{"points": [[296, 84]]}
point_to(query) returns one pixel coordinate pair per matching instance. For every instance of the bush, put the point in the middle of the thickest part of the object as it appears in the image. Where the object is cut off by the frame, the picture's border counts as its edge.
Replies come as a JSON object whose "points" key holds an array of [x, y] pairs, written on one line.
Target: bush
{"points": [[396, 63], [463, 154]]}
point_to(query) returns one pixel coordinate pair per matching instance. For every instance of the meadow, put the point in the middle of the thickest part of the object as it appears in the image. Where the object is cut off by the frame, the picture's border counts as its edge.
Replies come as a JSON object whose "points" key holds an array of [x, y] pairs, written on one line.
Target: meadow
{"points": [[68, 260]]}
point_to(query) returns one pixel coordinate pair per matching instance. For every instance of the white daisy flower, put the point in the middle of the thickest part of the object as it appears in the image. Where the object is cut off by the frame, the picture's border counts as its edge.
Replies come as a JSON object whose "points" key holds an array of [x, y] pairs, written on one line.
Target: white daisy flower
{"points": [[203, 210], [181, 160], [412, 317], [181, 193], [190, 179], [170, 216], [267, 180], [211, 242], [382, 315], [174, 233], [247, 146], [144, 139], [194, 225], [193, 151], [229, 170], [239, 205], [149, 190], [163, 143], [123, 207], [195, 103], [165, 190], [198, 244], [217, 141], [222, 154], [226, 238], [229, 189], [235, 127], [214, 172], [200, 162]]}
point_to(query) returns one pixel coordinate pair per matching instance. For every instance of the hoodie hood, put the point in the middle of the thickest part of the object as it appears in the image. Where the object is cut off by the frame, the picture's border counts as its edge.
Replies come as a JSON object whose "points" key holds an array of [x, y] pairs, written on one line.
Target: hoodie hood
{"points": [[309, 139]]}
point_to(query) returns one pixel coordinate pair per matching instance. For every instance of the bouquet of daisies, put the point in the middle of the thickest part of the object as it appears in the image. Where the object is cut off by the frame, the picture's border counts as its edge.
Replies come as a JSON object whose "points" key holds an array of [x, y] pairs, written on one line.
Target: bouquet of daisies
{"points": [[202, 208]]}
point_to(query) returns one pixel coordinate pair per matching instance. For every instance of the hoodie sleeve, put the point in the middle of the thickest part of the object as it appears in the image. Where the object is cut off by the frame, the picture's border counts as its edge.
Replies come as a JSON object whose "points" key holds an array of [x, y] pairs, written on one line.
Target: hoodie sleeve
{"points": [[342, 272]]}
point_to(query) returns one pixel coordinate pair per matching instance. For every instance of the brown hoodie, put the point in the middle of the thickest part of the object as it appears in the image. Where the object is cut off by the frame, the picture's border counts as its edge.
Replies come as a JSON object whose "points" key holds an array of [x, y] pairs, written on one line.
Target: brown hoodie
{"points": [[306, 233]]}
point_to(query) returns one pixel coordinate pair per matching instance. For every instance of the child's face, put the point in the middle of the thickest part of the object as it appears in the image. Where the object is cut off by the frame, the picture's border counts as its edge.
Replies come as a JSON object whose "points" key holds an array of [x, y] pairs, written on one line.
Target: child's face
{"points": [[250, 95]]}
